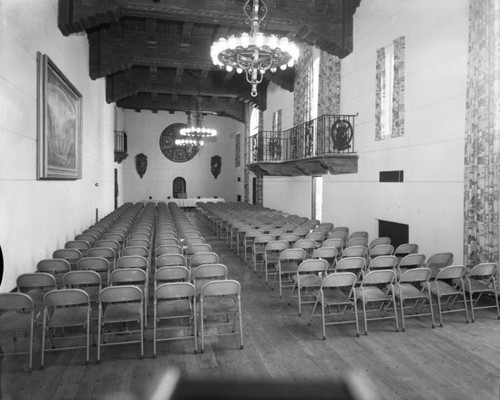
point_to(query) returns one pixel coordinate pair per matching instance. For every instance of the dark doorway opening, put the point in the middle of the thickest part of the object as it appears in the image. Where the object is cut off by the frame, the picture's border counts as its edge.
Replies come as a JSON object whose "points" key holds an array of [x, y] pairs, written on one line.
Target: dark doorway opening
{"points": [[179, 188], [117, 189], [399, 233]]}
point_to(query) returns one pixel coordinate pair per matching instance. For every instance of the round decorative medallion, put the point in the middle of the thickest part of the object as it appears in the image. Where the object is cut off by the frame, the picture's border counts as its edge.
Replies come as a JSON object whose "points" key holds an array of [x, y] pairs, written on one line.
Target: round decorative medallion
{"points": [[172, 151]]}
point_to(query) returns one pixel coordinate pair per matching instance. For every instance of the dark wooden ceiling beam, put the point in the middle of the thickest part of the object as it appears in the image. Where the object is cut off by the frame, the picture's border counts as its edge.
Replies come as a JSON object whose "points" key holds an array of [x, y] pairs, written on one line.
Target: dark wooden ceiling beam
{"points": [[220, 106]]}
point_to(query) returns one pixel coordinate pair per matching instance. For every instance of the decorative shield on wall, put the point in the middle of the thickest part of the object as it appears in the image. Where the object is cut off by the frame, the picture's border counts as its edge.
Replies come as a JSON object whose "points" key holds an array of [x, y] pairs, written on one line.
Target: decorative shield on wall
{"points": [[141, 164], [215, 165]]}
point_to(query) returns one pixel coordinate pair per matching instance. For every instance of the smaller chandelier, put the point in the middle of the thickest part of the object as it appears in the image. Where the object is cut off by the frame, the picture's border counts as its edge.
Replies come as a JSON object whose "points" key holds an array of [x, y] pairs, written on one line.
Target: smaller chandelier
{"points": [[195, 133], [254, 53]]}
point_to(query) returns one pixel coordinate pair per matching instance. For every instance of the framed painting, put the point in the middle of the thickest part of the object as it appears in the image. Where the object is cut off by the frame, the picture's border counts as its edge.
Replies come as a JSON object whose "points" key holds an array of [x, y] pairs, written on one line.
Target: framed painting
{"points": [[59, 123]]}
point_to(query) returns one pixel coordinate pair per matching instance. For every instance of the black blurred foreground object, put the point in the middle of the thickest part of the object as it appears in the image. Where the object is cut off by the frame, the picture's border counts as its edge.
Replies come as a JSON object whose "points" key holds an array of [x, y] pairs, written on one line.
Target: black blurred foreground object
{"points": [[349, 387]]}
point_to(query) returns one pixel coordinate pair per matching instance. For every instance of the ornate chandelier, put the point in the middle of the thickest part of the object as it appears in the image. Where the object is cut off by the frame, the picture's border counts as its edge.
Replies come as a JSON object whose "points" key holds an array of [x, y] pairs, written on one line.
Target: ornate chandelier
{"points": [[254, 53], [195, 133]]}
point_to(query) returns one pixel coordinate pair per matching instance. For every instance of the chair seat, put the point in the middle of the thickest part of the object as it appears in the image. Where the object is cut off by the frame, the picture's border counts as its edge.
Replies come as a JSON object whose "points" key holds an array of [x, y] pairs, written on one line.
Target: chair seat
{"points": [[444, 289], [335, 297], [68, 316], [371, 294], [478, 286], [173, 308], [309, 280], [122, 313], [12, 321], [409, 291], [219, 305]]}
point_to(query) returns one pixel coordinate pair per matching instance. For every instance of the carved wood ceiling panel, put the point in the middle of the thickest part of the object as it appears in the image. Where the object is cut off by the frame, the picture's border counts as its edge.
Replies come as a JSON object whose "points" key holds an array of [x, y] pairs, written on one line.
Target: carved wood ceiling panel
{"points": [[155, 54]]}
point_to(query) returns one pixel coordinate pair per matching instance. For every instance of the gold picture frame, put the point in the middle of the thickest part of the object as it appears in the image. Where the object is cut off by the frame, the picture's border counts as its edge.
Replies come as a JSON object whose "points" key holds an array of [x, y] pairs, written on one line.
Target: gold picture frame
{"points": [[59, 123]]}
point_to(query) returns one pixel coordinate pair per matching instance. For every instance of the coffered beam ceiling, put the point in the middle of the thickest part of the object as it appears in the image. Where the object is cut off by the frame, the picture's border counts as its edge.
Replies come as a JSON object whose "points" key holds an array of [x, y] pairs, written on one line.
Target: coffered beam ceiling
{"points": [[155, 54]]}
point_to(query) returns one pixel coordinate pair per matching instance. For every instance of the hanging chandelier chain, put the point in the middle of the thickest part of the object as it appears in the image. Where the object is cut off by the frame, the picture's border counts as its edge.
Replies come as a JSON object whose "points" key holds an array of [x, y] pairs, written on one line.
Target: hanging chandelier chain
{"points": [[253, 12]]}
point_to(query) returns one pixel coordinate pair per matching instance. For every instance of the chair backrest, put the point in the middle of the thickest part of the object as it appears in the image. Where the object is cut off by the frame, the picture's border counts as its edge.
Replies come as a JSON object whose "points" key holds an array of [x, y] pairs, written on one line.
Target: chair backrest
{"points": [[483, 271], [170, 260], [310, 265], [225, 287], [53, 266], [168, 249], [191, 240], [175, 290], [208, 271], [78, 244], [406, 248], [139, 235], [276, 232], [85, 280], [351, 264], [172, 274], [166, 242], [119, 237], [379, 277], [383, 262], [103, 252], [357, 241], [290, 237], [94, 232], [341, 234], [128, 276], [296, 254], [262, 239], [166, 234], [415, 275], [16, 302], [301, 231], [439, 260], [358, 234], [354, 251], [275, 247], [135, 251], [203, 258], [138, 242], [66, 297], [307, 244], [340, 280], [338, 243], [72, 255], [317, 236], [121, 294], [379, 240], [88, 237], [110, 243], [198, 248], [381, 250], [326, 253], [451, 272], [35, 281], [132, 262], [416, 260]]}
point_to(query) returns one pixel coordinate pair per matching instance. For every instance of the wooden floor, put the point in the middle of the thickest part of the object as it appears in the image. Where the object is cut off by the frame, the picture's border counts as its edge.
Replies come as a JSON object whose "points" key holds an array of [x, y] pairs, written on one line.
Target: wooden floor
{"points": [[457, 361]]}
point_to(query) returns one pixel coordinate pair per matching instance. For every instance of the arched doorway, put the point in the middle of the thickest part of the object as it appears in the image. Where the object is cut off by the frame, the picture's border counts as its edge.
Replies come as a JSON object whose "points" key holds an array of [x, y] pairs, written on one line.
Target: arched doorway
{"points": [[179, 188]]}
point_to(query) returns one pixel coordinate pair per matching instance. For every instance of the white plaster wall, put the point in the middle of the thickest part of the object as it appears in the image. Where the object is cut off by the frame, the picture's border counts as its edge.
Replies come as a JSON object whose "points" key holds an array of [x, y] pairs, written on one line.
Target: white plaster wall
{"points": [[289, 194], [430, 200], [144, 130], [37, 217]]}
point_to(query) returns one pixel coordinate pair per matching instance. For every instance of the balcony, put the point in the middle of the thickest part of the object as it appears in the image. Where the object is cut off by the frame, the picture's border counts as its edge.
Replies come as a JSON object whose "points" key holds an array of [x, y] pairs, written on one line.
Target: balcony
{"points": [[316, 147], [120, 146]]}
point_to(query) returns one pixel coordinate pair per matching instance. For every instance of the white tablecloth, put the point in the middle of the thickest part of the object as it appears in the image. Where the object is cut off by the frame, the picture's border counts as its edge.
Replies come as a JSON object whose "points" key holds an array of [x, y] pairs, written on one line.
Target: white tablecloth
{"points": [[191, 202]]}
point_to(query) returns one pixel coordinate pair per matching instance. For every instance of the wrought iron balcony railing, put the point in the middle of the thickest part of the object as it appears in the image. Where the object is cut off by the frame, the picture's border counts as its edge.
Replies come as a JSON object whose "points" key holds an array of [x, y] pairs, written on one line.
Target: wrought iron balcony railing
{"points": [[325, 135]]}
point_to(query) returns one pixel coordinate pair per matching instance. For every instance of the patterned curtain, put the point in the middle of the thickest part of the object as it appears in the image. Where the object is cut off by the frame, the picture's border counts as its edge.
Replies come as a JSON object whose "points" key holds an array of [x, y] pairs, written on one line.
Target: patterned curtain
{"points": [[302, 85], [248, 152], [329, 84], [482, 135], [398, 92], [379, 91]]}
